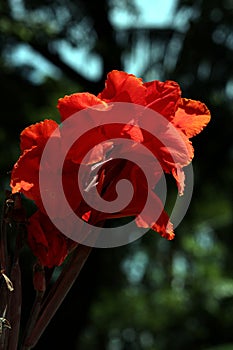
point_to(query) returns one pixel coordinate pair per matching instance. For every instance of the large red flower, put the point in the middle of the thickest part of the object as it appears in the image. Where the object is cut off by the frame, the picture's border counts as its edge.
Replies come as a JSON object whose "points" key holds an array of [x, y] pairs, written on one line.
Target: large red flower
{"points": [[186, 117]]}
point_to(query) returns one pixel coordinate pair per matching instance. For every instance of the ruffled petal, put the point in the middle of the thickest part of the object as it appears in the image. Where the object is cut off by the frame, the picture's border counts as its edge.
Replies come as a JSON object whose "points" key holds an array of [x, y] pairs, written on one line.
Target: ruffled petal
{"points": [[191, 117], [161, 224], [170, 146], [74, 103], [164, 226], [37, 134], [163, 97], [97, 146], [25, 174], [123, 87]]}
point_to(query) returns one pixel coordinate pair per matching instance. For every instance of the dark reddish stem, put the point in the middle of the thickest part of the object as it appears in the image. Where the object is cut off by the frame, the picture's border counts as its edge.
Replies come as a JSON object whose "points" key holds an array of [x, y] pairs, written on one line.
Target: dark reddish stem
{"points": [[3, 244], [34, 314], [15, 301], [57, 294], [4, 269]]}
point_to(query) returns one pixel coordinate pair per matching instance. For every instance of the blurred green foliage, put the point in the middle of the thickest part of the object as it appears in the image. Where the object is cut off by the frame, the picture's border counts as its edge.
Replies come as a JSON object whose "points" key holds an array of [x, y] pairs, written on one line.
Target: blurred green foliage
{"points": [[152, 294]]}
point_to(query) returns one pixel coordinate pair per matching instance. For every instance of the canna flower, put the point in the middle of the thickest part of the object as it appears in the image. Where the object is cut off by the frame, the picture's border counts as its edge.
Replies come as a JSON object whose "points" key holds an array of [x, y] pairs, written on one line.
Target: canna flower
{"points": [[188, 117]]}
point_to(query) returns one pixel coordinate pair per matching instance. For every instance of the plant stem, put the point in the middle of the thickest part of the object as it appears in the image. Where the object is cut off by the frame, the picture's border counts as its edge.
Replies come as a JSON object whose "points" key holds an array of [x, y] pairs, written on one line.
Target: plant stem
{"points": [[36, 308], [57, 294], [3, 243], [5, 269], [15, 298], [15, 301]]}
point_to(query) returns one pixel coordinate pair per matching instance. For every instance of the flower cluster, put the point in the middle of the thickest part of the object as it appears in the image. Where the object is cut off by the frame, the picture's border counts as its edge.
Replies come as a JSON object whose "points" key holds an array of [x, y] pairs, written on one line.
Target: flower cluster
{"points": [[189, 117]]}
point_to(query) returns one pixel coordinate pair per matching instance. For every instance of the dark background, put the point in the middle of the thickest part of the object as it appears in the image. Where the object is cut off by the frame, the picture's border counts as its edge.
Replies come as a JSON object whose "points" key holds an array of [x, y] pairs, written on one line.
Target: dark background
{"points": [[152, 294]]}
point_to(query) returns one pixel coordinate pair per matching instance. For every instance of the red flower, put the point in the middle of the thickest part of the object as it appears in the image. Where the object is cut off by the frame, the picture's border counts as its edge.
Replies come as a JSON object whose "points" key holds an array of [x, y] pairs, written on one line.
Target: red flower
{"points": [[188, 117]]}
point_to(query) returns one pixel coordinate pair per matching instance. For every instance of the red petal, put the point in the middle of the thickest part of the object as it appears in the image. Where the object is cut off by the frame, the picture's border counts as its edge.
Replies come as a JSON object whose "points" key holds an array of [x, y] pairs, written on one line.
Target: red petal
{"points": [[163, 97], [179, 175], [133, 131], [74, 103], [45, 241], [37, 134], [123, 87], [97, 145], [25, 174], [191, 117], [162, 225], [170, 146]]}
